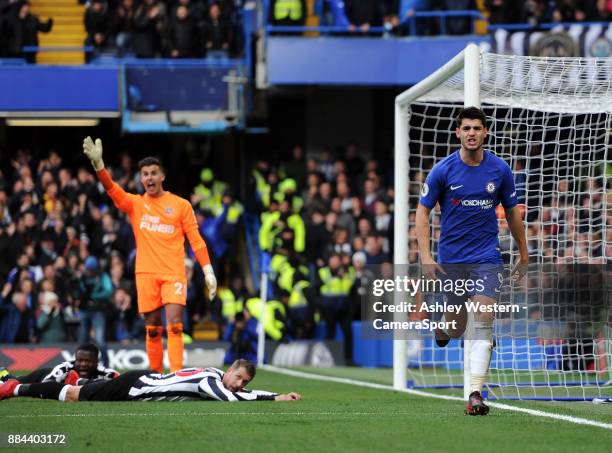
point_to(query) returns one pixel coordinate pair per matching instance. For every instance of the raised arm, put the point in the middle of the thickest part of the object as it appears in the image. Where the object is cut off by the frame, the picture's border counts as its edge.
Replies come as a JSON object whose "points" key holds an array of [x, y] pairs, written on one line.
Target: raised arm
{"points": [[120, 197]]}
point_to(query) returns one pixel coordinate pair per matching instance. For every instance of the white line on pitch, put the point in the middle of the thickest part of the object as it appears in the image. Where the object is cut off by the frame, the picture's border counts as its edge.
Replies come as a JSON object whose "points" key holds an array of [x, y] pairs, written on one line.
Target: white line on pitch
{"points": [[339, 380]]}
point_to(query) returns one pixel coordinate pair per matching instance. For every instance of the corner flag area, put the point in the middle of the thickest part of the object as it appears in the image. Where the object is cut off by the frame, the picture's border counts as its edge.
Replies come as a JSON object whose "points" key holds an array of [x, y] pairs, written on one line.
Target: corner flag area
{"points": [[342, 408]]}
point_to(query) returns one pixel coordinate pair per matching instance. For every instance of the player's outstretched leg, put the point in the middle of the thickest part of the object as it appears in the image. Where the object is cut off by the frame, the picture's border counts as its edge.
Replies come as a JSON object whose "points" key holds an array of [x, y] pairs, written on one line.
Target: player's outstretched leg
{"points": [[7, 389], [476, 405]]}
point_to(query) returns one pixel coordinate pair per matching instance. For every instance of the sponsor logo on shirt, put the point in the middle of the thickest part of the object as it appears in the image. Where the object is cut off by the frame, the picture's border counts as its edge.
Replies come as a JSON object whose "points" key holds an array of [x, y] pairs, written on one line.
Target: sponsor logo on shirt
{"points": [[482, 204], [151, 223]]}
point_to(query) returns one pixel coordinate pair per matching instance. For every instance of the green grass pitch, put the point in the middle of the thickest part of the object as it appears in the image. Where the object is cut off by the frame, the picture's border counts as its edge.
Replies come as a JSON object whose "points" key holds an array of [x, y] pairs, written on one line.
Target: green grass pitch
{"points": [[331, 417]]}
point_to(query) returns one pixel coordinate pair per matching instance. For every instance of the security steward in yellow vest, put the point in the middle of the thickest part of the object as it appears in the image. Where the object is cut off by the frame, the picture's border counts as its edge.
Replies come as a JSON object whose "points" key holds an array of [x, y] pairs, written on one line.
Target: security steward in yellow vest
{"points": [[207, 195], [335, 282], [288, 12], [232, 299], [275, 320]]}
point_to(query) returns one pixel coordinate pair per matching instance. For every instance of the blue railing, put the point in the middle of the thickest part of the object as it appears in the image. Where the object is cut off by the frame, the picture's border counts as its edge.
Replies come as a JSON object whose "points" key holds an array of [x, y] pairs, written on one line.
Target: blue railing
{"points": [[411, 22], [543, 26], [36, 49]]}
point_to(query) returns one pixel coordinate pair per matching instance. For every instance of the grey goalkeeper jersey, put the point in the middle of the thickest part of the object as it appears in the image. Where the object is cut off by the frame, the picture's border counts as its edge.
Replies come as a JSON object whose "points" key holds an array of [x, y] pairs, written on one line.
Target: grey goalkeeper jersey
{"points": [[191, 384]]}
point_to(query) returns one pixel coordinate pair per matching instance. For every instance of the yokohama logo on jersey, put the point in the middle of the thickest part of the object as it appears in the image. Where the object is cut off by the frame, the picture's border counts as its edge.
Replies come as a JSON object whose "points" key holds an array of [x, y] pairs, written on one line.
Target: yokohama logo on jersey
{"points": [[483, 204], [151, 223]]}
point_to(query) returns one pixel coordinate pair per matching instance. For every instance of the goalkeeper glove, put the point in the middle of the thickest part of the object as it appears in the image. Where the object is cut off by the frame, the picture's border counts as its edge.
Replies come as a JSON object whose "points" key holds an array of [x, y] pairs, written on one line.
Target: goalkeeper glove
{"points": [[211, 281], [93, 151]]}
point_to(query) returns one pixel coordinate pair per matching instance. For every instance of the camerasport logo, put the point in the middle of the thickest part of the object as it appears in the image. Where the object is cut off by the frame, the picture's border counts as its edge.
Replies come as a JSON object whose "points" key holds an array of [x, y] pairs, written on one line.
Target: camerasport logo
{"points": [[18, 359]]}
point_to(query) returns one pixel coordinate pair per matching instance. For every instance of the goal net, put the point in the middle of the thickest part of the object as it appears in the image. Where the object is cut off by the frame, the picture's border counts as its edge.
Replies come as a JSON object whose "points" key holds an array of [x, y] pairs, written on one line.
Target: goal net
{"points": [[550, 120]]}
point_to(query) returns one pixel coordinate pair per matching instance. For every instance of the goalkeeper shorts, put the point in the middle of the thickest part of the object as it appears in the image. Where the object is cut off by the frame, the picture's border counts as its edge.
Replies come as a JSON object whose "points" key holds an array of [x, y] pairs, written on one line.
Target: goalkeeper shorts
{"points": [[156, 290]]}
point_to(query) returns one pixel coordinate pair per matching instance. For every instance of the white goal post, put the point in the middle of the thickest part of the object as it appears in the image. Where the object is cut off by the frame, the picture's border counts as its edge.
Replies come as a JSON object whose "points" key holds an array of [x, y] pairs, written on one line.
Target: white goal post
{"points": [[551, 120]]}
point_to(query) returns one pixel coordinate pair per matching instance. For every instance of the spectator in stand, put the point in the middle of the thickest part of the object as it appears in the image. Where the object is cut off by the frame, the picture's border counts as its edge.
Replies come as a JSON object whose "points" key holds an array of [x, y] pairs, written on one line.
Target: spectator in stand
{"points": [[374, 250], [217, 33], [383, 221], [129, 326], [326, 165], [123, 26], [363, 280], [96, 290], [340, 243], [27, 287], [325, 195], [295, 168], [571, 11], [317, 236], [537, 12], [149, 23], [242, 336], [370, 196], [344, 220], [505, 11], [362, 14], [602, 12], [182, 34], [47, 253], [343, 191], [97, 25], [17, 320], [50, 322], [23, 30], [458, 25]]}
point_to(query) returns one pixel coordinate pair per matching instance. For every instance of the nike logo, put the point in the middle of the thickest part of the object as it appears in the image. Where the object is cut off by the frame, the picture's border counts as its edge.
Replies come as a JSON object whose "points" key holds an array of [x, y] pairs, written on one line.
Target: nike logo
{"points": [[455, 187]]}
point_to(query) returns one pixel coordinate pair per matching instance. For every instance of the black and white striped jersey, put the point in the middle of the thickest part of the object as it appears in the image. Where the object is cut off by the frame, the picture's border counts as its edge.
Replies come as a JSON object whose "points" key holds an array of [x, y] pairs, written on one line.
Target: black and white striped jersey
{"points": [[59, 372], [191, 383]]}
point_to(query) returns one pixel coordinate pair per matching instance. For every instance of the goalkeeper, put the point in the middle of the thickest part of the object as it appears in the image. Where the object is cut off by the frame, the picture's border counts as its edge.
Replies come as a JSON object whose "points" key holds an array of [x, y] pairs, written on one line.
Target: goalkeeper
{"points": [[468, 185], [160, 221]]}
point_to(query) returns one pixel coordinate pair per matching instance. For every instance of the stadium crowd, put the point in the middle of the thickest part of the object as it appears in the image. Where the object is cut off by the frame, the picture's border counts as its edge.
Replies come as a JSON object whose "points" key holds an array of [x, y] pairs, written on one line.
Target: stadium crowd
{"points": [[145, 29], [68, 253], [212, 29]]}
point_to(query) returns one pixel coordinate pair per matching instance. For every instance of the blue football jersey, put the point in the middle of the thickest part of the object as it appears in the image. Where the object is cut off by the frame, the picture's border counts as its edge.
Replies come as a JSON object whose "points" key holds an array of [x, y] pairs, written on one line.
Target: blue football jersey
{"points": [[468, 196]]}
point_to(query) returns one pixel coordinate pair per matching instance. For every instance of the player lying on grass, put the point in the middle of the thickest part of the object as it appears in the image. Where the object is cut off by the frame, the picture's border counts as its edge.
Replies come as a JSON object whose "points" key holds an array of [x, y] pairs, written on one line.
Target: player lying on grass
{"points": [[189, 384], [84, 367]]}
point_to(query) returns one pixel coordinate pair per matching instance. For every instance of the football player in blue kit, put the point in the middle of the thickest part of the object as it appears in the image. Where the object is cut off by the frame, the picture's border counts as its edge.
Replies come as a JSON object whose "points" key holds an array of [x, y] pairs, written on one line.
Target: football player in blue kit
{"points": [[468, 185]]}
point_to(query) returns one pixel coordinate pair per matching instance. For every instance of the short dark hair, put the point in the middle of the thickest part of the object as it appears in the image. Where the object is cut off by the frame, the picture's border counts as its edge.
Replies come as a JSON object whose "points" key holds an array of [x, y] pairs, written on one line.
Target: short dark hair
{"points": [[89, 347], [471, 113], [246, 364], [150, 161]]}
